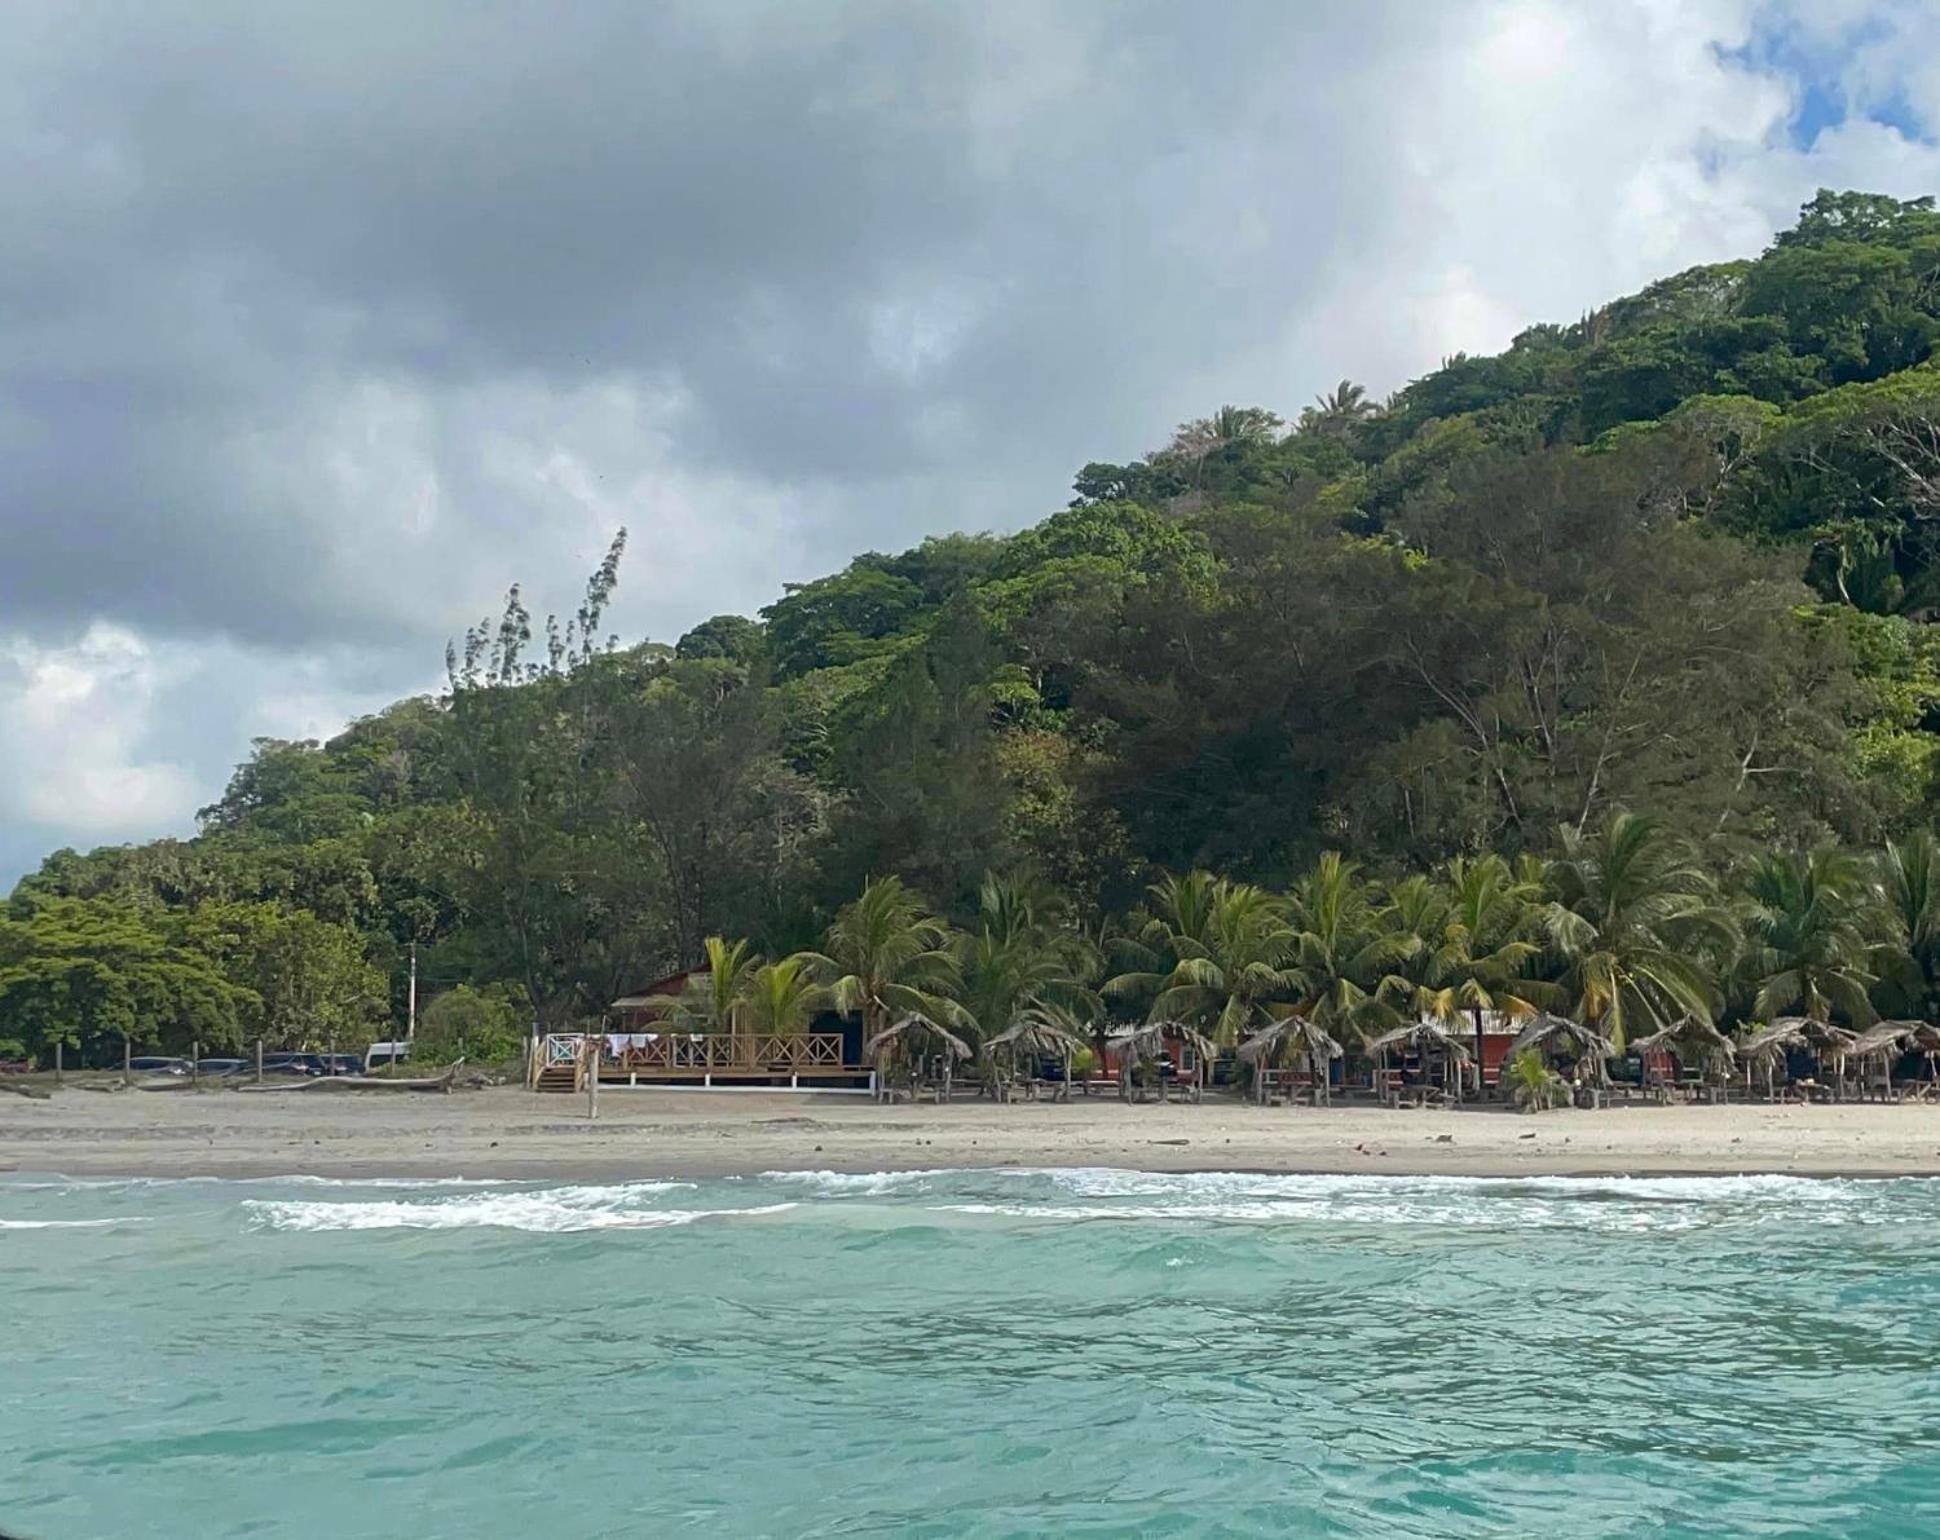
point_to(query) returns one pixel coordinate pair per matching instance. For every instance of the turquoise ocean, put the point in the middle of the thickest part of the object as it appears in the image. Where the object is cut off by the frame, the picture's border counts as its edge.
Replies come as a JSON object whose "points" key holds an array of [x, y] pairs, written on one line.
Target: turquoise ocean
{"points": [[970, 1353]]}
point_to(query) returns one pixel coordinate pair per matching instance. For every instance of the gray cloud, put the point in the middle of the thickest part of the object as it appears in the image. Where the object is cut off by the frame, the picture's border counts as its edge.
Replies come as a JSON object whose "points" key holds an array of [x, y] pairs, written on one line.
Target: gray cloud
{"points": [[324, 323]]}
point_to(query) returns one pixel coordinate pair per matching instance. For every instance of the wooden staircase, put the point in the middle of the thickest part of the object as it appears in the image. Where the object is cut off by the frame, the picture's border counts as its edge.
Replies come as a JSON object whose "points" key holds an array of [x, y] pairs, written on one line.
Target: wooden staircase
{"points": [[559, 1077]]}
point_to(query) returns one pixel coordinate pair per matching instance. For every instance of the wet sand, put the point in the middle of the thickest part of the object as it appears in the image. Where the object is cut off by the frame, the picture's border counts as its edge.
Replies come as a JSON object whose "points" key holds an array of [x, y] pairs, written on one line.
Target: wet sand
{"points": [[511, 1133]]}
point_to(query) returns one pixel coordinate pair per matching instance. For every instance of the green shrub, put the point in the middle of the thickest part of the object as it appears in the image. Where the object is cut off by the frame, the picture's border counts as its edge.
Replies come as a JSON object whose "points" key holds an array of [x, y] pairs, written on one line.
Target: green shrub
{"points": [[1535, 1085], [482, 1026]]}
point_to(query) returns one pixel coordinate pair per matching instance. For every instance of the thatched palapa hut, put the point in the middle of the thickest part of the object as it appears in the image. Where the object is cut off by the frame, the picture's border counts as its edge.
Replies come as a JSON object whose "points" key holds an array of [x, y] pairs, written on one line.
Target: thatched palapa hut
{"points": [[1880, 1047], [1548, 1033], [1706, 1055], [1146, 1044], [1033, 1039], [1769, 1047], [905, 1045], [1300, 1039], [1432, 1045]]}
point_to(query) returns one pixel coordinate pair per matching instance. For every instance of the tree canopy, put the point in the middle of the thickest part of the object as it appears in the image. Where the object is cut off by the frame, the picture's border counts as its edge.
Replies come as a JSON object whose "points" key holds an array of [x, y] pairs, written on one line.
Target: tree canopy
{"points": [[1679, 557]]}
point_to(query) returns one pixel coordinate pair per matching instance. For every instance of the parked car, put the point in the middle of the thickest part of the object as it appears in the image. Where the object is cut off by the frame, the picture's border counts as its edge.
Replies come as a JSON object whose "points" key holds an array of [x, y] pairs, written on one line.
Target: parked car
{"points": [[159, 1066], [342, 1064], [379, 1054], [292, 1064], [211, 1068]]}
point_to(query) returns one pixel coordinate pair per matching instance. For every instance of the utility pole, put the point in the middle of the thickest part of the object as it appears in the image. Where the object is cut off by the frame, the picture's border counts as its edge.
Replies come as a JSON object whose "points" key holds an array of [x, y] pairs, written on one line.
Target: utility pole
{"points": [[411, 1021]]}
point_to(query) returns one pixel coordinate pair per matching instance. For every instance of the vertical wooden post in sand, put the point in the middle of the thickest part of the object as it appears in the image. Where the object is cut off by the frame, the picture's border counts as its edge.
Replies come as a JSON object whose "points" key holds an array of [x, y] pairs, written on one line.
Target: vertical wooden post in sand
{"points": [[127, 1055], [57, 1061], [195, 1063], [592, 1057], [259, 1061]]}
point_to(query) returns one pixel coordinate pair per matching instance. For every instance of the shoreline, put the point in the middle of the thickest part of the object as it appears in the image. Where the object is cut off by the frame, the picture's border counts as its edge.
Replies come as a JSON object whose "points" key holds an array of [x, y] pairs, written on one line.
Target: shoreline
{"points": [[508, 1134]]}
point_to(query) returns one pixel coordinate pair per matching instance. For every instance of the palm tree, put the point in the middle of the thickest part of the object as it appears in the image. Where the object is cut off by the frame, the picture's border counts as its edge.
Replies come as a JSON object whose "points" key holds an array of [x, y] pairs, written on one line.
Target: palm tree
{"points": [[711, 1002], [1023, 961], [1475, 930], [1230, 951], [1909, 877], [889, 959], [1344, 950], [1173, 926], [1810, 922], [1229, 427], [783, 998], [1533, 1084], [1339, 410], [1635, 923]]}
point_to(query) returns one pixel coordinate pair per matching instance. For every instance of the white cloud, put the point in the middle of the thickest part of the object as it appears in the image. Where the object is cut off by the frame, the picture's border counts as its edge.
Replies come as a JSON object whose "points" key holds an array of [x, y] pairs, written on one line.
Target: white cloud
{"points": [[74, 727], [768, 286]]}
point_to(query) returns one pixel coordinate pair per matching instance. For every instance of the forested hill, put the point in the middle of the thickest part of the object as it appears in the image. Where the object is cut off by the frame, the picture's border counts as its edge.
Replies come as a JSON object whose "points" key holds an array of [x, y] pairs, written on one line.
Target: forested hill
{"points": [[1678, 556]]}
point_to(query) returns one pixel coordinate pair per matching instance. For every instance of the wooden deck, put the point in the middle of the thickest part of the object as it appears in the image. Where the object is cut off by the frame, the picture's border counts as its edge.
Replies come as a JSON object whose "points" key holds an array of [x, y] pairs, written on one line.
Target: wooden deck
{"points": [[809, 1061]]}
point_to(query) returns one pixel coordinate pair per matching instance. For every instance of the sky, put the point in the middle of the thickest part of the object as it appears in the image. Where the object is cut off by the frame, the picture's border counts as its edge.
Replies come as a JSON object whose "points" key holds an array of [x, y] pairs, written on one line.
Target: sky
{"points": [[321, 325]]}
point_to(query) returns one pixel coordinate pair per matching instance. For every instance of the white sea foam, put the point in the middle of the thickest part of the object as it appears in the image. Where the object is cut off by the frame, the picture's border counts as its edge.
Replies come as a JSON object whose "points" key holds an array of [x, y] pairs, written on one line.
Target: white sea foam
{"points": [[1108, 1182], [550, 1210], [864, 1184], [1609, 1204], [68, 1224]]}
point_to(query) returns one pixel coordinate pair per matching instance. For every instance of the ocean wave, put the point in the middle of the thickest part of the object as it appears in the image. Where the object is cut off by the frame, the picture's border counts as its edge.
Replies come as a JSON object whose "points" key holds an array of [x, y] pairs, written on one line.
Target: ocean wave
{"points": [[1611, 1204], [869, 1184], [1110, 1182], [69, 1224], [546, 1211]]}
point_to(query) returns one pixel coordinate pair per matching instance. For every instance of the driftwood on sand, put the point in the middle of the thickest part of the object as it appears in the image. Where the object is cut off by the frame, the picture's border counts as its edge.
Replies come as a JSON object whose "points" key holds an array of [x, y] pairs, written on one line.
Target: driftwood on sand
{"points": [[438, 1082]]}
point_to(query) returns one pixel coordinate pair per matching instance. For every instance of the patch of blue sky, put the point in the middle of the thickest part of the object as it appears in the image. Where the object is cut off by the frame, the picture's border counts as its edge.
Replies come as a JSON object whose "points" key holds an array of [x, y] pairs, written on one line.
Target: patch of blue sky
{"points": [[1816, 68]]}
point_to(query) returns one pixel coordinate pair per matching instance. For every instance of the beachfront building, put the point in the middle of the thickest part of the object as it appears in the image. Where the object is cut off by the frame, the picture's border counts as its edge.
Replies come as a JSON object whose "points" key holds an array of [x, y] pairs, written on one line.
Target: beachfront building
{"points": [[643, 1042]]}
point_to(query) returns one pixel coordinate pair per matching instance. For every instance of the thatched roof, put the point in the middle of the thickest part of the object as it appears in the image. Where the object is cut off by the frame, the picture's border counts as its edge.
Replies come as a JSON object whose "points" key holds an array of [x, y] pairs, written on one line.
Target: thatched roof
{"points": [[1694, 1039], [1302, 1034], [1421, 1034], [1884, 1037], [1770, 1041], [1790, 1032], [1034, 1035], [917, 1022], [1545, 1028], [1148, 1039]]}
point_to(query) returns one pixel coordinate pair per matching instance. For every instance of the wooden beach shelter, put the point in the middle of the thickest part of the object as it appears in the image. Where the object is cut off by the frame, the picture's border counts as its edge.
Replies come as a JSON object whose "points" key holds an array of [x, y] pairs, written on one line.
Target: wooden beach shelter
{"points": [[1432, 1046], [1292, 1037], [908, 1047], [1769, 1047], [1704, 1056], [1548, 1033], [1032, 1039], [1876, 1050], [1147, 1043], [1764, 1049]]}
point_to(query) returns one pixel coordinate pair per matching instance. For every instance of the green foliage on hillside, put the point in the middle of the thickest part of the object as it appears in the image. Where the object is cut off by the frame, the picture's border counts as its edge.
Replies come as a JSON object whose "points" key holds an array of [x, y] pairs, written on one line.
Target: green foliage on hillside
{"points": [[1681, 556]]}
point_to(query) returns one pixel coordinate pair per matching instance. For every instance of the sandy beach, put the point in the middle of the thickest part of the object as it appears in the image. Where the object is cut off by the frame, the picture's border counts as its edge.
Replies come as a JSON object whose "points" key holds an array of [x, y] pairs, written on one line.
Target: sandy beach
{"points": [[511, 1133]]}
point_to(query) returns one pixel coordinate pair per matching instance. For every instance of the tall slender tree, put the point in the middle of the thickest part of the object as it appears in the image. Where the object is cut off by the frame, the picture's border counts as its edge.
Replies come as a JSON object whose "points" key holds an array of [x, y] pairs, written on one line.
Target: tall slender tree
{"points": [[888, 957], [1637, 927], [1811, 935]]}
